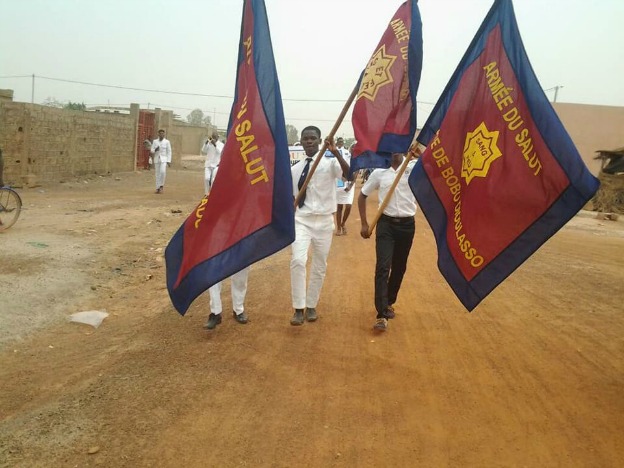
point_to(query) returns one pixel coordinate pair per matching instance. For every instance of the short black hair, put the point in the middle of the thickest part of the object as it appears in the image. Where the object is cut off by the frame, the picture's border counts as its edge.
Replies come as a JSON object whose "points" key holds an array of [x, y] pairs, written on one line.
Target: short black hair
{"points": [[161, 130], [313, 128]]}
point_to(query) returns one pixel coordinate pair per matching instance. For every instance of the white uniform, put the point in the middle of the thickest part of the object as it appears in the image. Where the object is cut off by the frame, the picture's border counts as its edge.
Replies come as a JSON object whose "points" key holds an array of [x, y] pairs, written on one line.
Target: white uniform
{"points": [[314, 226], [213, 159], [239, 290], [161, 155], [344, 197]]}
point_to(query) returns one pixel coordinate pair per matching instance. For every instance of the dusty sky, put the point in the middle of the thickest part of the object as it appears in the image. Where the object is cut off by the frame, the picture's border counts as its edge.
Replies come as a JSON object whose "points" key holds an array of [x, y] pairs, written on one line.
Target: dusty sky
{"points": [[320, 47]]}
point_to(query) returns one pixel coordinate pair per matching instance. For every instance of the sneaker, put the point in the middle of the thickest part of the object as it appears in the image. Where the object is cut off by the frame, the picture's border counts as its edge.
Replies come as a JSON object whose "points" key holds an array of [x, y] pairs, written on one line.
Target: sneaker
{"points": [[213, 321], [297, 318], [240, 318], [381, 324], [311, 314], [389, 313]]}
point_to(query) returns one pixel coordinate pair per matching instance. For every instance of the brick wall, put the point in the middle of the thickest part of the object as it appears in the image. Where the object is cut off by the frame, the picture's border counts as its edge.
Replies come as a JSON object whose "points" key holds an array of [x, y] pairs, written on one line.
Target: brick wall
{"points": [[46, 144]]}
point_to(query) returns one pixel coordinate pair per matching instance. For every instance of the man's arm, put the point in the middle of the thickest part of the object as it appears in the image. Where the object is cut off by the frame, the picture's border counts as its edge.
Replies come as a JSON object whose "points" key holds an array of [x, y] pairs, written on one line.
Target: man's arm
{"points": [[363, 221], [344, 165]]}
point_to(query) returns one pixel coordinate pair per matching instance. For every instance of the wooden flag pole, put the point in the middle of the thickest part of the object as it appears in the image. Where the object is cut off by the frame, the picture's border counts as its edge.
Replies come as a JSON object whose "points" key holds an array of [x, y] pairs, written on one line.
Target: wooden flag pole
{"points": [[412, 152], [324, 147]]}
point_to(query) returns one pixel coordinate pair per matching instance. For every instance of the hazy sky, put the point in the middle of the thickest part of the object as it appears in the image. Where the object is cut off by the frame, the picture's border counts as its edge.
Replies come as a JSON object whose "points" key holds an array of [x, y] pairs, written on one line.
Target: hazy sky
{"points": [[320, 47]]}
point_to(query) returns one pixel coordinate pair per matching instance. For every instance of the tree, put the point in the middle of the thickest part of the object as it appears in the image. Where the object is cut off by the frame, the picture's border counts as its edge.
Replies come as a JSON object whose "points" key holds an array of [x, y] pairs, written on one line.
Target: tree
{"points": [[196, 117], [75, 106], [53, 102], [292, 135], [207, 121]]}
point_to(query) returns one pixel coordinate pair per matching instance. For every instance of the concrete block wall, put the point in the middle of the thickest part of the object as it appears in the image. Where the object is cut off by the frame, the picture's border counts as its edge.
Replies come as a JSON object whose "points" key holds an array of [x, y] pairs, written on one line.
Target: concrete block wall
{"points": [[45, 144]]}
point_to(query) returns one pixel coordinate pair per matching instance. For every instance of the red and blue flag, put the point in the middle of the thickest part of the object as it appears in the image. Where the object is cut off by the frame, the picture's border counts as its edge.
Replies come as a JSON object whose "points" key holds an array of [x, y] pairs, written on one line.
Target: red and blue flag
{"points": [[384, 115], [500, 174], [249, 213]]}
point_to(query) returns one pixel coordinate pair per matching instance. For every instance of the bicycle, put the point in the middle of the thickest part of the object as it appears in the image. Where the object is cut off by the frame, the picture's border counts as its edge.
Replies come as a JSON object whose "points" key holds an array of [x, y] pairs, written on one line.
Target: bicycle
{"points": [[10, 207]]}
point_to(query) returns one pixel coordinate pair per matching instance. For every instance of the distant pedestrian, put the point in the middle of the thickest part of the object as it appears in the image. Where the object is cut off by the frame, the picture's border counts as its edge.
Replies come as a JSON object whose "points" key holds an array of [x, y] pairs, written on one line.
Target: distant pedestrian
{"points": [[212, 151], [147, 144], [344, 192], [314, 222], [394, 234], [161, 155]]}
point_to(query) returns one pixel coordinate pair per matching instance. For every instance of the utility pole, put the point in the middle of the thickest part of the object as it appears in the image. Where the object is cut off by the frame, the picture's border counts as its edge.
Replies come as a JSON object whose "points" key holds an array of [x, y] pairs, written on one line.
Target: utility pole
{"points": [[32, 91], [556, 92]]}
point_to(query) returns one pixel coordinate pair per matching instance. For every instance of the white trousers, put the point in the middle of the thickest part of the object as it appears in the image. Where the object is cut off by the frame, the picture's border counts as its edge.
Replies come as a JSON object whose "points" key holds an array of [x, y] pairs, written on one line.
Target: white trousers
{"points": [[209, 175], [314, 231], [161, 173], [239, 290]]}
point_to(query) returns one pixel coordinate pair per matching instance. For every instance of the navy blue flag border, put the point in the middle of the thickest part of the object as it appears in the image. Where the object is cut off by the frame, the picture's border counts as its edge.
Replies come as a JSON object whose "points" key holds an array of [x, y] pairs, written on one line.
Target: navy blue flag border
{"points": [[281, 231], [391, 142], [583, 185]]}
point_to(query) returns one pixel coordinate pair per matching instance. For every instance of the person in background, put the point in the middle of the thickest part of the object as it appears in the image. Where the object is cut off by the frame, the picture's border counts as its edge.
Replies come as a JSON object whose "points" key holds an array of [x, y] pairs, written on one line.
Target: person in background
{"points": [[212, 150], [344, 192], [161, 155], [394, 234], [314, 222]]}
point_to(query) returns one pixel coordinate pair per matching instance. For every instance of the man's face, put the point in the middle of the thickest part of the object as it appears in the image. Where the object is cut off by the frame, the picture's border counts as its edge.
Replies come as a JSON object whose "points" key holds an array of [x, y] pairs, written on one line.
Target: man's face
{"points": [[310, 142], [161, 135], [339, 142]]}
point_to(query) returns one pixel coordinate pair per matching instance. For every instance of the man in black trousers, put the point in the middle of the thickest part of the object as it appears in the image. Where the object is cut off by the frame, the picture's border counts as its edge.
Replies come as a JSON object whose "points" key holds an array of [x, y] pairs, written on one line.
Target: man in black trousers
{"points": [[395, 233]]}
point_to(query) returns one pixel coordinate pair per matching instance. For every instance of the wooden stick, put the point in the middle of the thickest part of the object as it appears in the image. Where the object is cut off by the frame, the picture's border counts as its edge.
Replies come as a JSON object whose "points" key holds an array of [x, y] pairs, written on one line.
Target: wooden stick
{"points": [[411, 153], [324, 147]]}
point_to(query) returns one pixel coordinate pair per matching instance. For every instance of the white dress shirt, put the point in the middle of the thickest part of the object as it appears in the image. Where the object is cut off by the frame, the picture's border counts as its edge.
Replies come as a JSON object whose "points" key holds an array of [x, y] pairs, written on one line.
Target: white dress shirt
{"points": [[213, 153], [402, 203], [321, 191], [163, 155]]}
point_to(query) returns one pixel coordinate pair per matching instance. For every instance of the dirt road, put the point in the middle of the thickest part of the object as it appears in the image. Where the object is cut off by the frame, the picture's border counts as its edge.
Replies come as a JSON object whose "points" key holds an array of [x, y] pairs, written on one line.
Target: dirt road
{"points": [[533, 377]]}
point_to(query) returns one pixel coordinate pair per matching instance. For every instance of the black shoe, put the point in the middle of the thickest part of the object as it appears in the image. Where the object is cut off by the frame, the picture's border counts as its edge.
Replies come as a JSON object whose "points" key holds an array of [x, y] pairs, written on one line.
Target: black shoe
{"points": [[297, 318], [389, 313], [311, 314], [240, 318], [213, 321]]}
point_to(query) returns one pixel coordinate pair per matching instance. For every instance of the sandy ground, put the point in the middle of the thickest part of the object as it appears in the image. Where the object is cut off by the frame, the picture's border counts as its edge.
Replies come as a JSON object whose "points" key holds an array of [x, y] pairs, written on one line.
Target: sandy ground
{"points": [[533, 377]]}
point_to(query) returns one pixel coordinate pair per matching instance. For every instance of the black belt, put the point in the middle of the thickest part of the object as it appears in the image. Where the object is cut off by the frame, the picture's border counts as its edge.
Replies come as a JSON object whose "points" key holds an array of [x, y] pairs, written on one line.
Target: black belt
{"points": [[397, 220]]}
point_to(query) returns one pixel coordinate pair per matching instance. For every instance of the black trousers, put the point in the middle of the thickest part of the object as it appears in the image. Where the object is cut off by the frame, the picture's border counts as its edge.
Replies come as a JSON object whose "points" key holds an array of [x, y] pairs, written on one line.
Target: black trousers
{"points": [[393, 243]]}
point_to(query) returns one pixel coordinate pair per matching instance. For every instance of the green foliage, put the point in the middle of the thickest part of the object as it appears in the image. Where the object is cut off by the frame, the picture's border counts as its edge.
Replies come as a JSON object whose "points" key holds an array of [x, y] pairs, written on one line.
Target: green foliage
{"points": [[75, 106]]}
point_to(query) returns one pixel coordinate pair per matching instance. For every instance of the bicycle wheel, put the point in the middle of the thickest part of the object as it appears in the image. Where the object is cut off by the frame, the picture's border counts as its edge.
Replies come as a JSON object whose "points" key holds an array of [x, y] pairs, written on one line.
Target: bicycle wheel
{"points": [[10, 207]]}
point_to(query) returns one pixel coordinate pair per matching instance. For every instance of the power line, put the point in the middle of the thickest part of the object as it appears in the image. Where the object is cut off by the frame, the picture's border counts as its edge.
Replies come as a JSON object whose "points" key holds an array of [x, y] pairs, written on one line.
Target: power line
{"points": [[179, 93]]}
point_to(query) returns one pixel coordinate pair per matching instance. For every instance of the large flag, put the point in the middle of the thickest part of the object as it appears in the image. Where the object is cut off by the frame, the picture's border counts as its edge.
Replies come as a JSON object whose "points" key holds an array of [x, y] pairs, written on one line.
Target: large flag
{"points": [[500, 175], [249, 214], [384, 115]]}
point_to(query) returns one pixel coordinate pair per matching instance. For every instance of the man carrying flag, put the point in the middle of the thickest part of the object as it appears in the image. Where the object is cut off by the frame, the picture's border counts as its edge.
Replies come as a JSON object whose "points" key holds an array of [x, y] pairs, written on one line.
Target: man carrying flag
{"points": [[394, 234], [500, 174], [384, 122], [249, 214]]}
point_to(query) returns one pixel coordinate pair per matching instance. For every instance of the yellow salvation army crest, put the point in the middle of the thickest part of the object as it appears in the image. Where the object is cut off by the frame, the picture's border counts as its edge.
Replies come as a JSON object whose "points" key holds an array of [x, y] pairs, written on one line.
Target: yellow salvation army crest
{"points": [[377, 73], [480, 150]]}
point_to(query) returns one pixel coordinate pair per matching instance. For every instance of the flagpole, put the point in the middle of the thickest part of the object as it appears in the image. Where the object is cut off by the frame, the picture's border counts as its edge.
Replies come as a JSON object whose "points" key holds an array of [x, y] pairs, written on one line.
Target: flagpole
{"points": [[412, 152], [324, 147]]}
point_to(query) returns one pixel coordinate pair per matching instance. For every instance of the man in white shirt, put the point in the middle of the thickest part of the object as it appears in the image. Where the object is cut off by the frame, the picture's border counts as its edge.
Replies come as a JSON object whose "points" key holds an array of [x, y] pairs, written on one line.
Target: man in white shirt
{"points": [[314, 222], [212, 150], [161, 156], [395, 233]]}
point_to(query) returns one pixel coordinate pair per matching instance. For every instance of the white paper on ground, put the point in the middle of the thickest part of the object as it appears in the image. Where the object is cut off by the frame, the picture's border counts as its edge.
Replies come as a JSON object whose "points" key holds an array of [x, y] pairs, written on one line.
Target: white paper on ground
{"points": [[90, 317]]}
